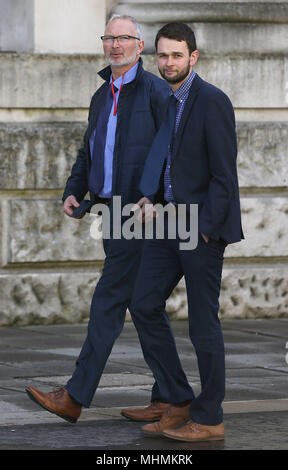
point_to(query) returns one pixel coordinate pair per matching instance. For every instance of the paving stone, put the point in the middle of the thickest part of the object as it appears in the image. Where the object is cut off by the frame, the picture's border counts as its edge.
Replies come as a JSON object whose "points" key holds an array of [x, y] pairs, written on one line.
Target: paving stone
{"points": [[122, 434], [256, 379]]}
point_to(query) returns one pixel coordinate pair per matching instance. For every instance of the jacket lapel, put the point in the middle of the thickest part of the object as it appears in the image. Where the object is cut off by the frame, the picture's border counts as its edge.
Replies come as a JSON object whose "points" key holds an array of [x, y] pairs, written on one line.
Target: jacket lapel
{"points": [[196, 84]]}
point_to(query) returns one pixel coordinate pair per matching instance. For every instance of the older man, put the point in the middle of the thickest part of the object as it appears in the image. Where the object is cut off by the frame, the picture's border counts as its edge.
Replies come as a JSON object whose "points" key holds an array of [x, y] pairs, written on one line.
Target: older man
{"points": [[125, 114]]}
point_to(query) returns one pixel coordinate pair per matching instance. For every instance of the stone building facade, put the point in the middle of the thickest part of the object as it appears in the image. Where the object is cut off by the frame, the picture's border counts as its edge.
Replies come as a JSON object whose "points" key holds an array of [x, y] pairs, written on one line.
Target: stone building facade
{"points": [[49, 58]]}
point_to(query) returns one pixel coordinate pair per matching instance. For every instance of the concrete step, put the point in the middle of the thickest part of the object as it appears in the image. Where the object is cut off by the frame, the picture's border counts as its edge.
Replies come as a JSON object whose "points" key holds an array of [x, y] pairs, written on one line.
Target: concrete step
{"points": [[196, 1], [219, 38], [216, 25], [151, 12], [250, 81]]}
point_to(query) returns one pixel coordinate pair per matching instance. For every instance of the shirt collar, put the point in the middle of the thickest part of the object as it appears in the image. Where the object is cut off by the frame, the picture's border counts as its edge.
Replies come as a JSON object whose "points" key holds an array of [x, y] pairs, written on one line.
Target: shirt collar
{"points": [[128, 77], [182, 93]]}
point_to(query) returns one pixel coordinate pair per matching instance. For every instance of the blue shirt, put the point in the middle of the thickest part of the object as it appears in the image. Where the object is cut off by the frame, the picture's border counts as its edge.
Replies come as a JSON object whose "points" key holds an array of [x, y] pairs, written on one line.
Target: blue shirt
{"points": [[106, 191], [181, 95]]}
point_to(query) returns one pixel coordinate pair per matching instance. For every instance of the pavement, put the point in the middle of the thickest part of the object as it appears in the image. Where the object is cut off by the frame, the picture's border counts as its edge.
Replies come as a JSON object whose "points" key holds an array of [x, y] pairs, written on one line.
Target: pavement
{"points": [[255, 406]]}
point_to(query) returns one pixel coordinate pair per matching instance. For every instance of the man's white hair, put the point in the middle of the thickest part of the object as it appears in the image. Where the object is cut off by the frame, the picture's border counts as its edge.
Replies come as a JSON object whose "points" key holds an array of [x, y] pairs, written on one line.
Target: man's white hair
{"points": [[127, 17]]}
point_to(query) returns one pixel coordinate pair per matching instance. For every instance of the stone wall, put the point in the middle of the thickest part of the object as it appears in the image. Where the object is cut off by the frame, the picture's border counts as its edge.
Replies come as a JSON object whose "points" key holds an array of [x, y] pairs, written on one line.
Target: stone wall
{"points": [[49, 263]]}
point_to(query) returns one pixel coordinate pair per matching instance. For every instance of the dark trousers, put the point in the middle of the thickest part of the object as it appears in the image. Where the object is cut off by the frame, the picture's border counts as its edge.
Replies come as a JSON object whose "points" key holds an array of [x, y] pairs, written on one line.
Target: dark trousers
{"points": [[110, 301], [162, 266]]}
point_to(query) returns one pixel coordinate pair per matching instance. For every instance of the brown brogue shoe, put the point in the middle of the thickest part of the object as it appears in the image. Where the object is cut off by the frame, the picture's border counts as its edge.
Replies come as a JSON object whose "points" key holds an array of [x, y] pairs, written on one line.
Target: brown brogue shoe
{"points": [[192, 432], [173, 416], [58, 402], [152, 412]]}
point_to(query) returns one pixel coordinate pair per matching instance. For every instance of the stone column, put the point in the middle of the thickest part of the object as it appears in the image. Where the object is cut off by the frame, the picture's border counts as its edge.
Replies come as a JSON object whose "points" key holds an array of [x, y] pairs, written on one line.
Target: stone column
{"points": [[50, 52], [66, 26]]}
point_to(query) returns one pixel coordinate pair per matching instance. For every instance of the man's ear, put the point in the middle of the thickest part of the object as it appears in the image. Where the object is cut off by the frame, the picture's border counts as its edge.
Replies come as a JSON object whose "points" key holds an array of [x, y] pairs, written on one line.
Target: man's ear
{"points": [[140, 47], [194, 57]]}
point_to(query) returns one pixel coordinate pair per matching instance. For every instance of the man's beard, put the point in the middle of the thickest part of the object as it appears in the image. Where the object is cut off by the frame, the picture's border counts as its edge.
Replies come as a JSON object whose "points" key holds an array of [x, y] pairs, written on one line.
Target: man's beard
{"points": [[125, 61], [178, 78]]}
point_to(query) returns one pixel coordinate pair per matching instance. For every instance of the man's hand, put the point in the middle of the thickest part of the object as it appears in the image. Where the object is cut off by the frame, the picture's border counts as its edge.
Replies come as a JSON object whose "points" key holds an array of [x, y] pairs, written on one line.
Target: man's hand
{"points": [[69, 204], [205, 238], [147, 211]]}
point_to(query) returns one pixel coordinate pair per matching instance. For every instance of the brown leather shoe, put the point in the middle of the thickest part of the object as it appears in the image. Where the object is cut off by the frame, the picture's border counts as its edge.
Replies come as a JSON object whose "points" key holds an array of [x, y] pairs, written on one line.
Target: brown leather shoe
{"points": [[58, 402], [173, 416], [152, 412], [192, 432]]}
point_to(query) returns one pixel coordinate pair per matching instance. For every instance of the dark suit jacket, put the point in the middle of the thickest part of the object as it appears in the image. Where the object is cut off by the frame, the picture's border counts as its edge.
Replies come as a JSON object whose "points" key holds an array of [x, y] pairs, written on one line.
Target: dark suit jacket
{"points": [[141, 106], [203, 166]]}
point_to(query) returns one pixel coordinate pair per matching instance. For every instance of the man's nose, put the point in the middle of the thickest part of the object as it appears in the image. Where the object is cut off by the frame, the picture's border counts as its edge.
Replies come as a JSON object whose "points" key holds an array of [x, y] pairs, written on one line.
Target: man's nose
{"points": [[170, 60]]}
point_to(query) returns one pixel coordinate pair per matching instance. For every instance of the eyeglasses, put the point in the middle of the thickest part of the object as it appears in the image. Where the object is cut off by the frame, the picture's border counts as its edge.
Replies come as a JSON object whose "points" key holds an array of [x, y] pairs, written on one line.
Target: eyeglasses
{"points": [[123, 39]]}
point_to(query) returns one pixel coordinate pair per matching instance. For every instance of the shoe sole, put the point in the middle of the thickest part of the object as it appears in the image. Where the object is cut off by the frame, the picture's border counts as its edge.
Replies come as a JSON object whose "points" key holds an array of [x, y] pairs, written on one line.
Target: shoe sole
{"points": [[141, 420], [151, 434], [68, 418], [160, 433], [212, 438]]}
